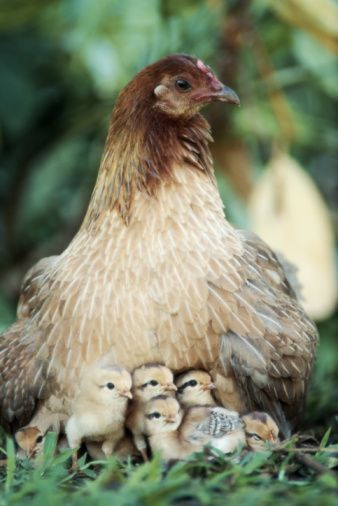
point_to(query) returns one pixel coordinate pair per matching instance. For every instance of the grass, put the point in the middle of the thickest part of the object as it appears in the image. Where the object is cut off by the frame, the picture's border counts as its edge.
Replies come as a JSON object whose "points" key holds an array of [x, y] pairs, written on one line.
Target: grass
{"points": [[274, 477], [250, 478]]}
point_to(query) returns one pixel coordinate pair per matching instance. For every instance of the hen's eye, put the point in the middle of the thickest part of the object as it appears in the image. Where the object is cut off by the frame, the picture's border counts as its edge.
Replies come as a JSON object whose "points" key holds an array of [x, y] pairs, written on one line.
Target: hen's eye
{"points": [[39, 439], [111, 386], [153, 383], [182, 85], [156, 414], [256, 437], [193, 383]]}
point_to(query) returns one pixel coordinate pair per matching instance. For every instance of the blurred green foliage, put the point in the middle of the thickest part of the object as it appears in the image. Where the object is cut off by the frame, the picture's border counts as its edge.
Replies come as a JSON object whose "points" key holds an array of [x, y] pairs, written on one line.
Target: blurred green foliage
{"points": [[62, 63]]}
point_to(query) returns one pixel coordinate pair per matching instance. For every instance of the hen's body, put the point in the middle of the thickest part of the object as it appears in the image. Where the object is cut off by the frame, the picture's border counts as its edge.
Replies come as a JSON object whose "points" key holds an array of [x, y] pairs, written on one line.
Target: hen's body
{"points": [[159, 275]]}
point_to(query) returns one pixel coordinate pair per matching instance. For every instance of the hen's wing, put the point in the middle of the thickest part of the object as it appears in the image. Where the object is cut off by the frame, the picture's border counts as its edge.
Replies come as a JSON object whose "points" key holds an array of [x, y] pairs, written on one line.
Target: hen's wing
{"points": [[31, 285], [286, 279], [22, 378], [266, 340]]}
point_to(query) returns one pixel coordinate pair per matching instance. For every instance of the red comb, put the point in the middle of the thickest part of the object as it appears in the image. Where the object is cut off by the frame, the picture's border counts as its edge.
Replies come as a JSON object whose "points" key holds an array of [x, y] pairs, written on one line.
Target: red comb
{"points": [[208, 72]]}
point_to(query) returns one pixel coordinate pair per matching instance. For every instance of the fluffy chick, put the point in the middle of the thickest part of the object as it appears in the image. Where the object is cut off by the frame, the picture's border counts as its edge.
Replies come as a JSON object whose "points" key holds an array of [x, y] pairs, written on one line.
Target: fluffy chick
{"points": [[260, 428], [163, 416], [149, 380], [99, 410], [194, 388], [201, 425], [30, 440], [216, 426]]}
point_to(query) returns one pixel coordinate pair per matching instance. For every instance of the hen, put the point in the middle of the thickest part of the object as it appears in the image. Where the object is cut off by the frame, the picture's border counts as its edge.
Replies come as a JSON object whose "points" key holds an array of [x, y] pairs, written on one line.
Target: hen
{"points": [[157, 274]]}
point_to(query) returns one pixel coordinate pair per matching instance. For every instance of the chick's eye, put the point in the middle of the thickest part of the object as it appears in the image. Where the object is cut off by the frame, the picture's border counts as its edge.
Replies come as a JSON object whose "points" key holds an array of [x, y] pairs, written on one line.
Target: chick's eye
{"points": [[182, 85], [156, 414], [39, 439], [153, 383], [111, 386], [193, 383]]}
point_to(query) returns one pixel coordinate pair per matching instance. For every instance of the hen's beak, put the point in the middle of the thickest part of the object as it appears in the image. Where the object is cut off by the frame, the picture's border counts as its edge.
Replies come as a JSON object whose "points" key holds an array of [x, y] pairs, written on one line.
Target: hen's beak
{"points": [[218, 92], [171, 387], [226, 94]]}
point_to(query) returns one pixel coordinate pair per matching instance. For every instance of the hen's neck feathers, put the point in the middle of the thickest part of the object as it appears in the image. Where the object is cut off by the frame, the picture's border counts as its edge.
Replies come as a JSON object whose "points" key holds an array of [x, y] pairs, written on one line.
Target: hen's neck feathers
{"points": [[142, 147]]}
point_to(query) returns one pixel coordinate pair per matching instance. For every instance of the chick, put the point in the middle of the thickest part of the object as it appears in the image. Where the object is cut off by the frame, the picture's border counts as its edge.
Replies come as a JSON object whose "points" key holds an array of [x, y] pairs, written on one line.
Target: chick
{"points": [[201, 425], [30, 440], [216, 426], [99, 410], [194, 388], [149, 380], [163, 416], [260, 428]]}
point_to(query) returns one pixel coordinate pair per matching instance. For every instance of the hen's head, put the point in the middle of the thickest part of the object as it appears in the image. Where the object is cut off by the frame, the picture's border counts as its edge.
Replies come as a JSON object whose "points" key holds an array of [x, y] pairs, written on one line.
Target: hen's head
{"points": [[178, 86]]}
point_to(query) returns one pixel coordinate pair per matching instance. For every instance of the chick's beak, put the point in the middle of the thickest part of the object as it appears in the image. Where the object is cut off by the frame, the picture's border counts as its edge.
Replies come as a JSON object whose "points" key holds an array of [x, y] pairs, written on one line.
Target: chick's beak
{"points": [[171, 387], [209, 386], [126, 393], [171, 419]]}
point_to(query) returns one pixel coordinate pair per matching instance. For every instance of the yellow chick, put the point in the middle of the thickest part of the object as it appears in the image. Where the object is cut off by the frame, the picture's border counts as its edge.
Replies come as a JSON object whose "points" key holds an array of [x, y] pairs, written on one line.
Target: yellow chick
{"points": [[30, 440], [194, 388], [201, 425], [149, 380], [99, 410], [260, 428], [163, 416]]}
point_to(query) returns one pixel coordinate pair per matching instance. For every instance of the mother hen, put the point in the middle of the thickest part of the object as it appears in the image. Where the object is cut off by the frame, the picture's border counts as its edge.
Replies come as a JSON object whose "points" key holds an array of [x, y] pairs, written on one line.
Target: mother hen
{"points": [[157, 274]]}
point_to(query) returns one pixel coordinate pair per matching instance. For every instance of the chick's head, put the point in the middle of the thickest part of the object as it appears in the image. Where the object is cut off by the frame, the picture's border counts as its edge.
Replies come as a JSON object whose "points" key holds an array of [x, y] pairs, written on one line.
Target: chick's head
{"points": [[108, 384], [260, 428], [162, 414], [151, 380], [194, 387], [30, 440]]}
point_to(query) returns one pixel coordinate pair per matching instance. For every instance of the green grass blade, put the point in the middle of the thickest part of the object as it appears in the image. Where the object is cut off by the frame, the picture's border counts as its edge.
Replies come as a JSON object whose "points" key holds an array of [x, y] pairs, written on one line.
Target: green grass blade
{"points": [[10, 450]]}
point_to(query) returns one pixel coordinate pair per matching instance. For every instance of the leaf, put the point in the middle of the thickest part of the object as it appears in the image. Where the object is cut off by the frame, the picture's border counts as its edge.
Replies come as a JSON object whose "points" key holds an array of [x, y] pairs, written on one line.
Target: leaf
{"points": [[325, 438], [255, 460], [10, 451]]}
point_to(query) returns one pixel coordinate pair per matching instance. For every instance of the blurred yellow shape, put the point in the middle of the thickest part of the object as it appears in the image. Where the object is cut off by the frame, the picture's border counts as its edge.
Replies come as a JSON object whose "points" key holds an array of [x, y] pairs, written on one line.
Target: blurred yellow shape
{"points": [[317, 17], [288, 212]]}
